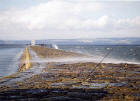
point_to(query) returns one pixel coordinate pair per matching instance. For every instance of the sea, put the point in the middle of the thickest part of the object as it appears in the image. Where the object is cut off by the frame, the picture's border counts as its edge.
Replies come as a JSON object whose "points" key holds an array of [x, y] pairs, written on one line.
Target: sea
{"points": [[10, 54], [107, 53]]}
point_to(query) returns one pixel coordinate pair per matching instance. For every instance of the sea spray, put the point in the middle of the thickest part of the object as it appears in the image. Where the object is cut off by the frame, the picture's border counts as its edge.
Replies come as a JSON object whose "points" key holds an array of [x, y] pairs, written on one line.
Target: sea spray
{"points": [[120, 54], [55, 46], [16, 60], [81, 60]]}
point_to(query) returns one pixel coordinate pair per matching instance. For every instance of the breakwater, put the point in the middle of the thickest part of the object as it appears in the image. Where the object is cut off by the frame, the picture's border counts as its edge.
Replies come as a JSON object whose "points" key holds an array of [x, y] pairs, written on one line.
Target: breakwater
{"points": [[50, 53], [79, 81]]}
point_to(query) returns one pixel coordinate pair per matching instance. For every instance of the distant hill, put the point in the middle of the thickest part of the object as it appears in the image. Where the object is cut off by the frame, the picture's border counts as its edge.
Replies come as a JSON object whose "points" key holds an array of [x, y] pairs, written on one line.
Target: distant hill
{"points": [[97, 41], [18, 42]]}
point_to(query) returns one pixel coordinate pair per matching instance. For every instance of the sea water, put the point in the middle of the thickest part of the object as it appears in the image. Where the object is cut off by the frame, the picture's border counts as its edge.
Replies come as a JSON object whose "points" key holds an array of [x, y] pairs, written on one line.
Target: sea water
{"points": [[110, 53], [9, 55]]}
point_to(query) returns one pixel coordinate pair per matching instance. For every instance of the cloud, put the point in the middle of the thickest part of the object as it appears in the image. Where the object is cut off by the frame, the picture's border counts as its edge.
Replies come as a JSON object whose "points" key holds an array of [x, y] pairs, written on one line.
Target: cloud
{"points": [[63, 19], [56, 14]]}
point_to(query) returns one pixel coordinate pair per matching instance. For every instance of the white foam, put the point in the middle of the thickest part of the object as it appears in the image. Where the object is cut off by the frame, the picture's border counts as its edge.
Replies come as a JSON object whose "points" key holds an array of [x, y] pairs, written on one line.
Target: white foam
{"points": [[55, 46]]}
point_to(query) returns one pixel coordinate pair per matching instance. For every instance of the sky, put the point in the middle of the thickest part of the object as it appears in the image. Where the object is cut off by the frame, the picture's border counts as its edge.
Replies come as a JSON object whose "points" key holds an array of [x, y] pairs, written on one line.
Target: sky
{"points": [[68, 19]]}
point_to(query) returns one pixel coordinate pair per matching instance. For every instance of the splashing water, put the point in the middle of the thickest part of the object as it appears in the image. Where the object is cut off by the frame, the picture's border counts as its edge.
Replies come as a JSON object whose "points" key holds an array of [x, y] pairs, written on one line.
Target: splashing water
{"points": [[120, 54], [55, 46]]}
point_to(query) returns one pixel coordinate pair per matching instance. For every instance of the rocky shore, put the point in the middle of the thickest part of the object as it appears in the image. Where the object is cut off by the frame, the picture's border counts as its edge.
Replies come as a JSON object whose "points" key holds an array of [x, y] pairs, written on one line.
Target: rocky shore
{"points": [[72, 81]]}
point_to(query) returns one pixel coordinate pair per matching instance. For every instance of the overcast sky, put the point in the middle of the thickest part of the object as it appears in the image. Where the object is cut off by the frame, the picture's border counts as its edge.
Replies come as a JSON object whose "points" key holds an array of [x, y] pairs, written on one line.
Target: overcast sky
{"points": [[68, 19]]}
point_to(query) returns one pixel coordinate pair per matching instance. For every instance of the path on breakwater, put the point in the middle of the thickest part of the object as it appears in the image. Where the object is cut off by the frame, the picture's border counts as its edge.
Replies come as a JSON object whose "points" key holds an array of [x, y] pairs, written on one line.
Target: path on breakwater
{"points": [[27, 59]]}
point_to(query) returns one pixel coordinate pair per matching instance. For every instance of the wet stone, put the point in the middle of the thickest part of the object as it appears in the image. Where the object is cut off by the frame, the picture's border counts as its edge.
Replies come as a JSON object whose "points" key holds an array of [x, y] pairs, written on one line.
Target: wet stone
{"points": [[58, 92], [85, 95], [61, 98]]}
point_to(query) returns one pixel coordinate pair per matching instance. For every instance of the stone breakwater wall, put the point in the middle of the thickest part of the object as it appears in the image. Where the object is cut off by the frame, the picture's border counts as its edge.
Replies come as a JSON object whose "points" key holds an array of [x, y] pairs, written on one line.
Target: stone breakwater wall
{"points": [[51, 53], [25, 61]]}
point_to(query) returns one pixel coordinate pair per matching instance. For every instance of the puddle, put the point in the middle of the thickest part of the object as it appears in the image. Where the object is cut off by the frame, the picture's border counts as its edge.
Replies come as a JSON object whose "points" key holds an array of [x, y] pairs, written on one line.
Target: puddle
{"points": [[62, 84], [98, 85], [90, 85], [80, 87], [117, 84]]}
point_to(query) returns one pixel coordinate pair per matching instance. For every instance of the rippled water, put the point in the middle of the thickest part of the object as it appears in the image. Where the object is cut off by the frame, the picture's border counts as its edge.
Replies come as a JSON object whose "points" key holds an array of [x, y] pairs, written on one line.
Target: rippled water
{"points": [[9, 56], [118, 54]]}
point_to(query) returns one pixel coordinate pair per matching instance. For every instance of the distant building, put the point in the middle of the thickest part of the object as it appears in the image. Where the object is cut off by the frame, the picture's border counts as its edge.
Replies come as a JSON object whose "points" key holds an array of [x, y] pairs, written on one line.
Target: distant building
{"points": [[33, 42]]}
